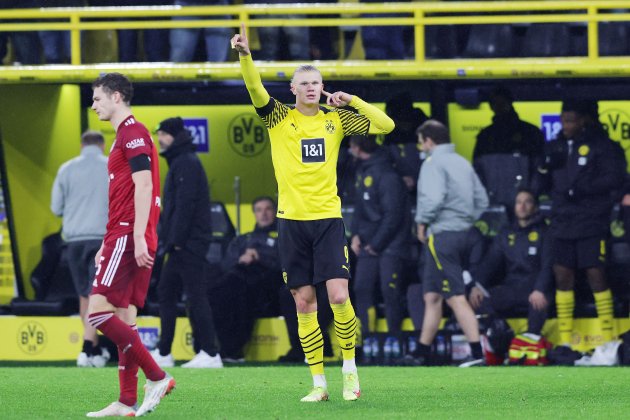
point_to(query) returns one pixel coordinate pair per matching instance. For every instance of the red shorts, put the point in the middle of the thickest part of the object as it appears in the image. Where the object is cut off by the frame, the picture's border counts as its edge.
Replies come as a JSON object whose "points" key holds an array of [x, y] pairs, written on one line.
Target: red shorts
{"points": [[118, 276]]}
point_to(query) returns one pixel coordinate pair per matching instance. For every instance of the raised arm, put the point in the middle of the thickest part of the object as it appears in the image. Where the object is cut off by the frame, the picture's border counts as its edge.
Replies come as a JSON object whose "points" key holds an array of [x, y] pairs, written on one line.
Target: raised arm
{"points": [[254, 85]]}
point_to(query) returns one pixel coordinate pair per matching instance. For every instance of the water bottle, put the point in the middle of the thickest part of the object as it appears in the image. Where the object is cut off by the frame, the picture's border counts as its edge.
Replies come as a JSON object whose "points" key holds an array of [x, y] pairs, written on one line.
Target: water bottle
{"points": [[395, 348], [412, 345], [367, 350], [387, 350], [375, 350], [440, 349]]}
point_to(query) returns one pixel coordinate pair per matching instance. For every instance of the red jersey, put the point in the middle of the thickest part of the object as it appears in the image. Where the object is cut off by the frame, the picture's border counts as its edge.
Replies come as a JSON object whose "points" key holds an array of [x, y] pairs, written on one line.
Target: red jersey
{"points": [[132, 139]]}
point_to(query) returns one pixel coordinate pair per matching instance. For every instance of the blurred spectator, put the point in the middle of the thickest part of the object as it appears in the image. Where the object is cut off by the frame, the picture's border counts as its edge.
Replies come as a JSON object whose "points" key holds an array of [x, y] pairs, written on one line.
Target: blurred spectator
{"points": [[56, 44], [402, 143], [249, 287], [347, 167], [508, 151], [381, 229], [80, 196], [26, 45], [184, 234], [584, 168], [184, 40], [297, 38], [383, 42], [450, 199], [522, 252], [154, 41]]}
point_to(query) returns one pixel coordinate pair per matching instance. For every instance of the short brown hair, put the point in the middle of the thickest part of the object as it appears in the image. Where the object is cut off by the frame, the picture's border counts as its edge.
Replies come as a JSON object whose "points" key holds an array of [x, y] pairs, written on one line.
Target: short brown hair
{"points": [[91, 137], [434, 130], [115, 82]]}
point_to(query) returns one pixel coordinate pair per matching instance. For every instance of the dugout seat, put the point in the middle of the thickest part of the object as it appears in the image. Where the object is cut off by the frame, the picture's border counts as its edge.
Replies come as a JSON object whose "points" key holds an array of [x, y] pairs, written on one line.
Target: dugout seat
{"points": [[223, 232], [492, 220], [502, 174], [52, 283]]}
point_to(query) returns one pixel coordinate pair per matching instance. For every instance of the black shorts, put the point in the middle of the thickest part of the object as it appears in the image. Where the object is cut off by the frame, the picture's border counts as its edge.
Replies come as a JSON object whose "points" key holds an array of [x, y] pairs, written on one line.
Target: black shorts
{"points": [[443, 273], [81, 264], [580, 253], [312, 251]]}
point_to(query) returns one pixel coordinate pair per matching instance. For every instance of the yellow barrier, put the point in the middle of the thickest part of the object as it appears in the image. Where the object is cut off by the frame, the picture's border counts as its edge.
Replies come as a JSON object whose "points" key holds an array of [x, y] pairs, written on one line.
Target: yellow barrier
{"points": [[416, 14]]}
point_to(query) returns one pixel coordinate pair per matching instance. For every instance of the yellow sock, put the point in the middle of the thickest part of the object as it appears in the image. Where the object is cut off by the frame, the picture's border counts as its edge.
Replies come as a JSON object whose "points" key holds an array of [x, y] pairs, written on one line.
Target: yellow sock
{"points": [[312, 341], [604, 304], [345, 328], [565, 302]]}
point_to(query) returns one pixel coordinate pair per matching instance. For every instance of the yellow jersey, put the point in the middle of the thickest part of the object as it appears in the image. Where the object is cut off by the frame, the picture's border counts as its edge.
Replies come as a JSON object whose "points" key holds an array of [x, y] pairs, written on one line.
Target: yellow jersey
{"points": [[304, 149]]}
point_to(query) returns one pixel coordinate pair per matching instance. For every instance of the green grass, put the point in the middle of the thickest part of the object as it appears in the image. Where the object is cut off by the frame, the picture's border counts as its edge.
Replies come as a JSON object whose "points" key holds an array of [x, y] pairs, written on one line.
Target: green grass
{"points": [[273, 392]]}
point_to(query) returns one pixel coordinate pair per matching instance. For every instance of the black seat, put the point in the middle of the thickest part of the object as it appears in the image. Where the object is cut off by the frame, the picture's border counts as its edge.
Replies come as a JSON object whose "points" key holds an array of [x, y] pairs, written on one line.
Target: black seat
{"points": [[502, 174], [546, 40], [51, 280], [223, 232], [492, 220], [490, 41]]}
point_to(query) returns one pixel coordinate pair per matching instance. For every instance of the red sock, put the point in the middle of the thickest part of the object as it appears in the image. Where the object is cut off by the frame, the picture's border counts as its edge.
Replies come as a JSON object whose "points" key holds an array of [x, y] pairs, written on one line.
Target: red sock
{"points": [[128, 377], [128, 341]]}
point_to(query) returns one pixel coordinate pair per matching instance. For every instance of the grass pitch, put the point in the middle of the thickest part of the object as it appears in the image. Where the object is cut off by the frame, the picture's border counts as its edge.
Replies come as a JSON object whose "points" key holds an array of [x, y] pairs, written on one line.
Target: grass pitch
{"points": [[274, 392]]}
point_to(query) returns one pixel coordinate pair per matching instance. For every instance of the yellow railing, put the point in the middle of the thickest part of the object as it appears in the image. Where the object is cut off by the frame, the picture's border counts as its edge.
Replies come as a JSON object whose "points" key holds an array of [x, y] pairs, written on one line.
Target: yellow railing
{"points": [[417, 14]]}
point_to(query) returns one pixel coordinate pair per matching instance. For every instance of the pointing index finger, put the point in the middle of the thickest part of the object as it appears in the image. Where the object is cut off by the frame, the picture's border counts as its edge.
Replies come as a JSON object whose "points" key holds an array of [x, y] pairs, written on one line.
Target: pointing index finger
{"points": [[242, 28], [326, 93]]}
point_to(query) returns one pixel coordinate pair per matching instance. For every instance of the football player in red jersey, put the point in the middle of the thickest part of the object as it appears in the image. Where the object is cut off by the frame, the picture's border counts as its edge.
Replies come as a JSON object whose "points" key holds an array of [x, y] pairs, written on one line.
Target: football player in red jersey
{"points": [[125, 259]]}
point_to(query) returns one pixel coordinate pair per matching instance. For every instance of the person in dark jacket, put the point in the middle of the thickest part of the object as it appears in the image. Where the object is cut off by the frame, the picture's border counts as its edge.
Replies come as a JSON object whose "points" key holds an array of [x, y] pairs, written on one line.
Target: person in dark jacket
{"points": [[508, 151], [523, 253], [249, 287], [584, 168], [184, 234], [402, 142], [381, 229]]}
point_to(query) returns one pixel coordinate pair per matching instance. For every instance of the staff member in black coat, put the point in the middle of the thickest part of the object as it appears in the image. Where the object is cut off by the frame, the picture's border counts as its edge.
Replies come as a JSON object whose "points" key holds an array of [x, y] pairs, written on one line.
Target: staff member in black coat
{"points": [[249, 287], [381, 229], [184, 234], [523, 252], [585, 169]]}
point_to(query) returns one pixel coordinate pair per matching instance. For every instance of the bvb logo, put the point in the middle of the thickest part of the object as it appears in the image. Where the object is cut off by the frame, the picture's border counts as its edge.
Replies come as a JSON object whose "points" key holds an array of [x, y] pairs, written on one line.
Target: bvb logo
{"points": [[187, 338], [617, 124], [32, 337], [330, 127], [247, 135]]}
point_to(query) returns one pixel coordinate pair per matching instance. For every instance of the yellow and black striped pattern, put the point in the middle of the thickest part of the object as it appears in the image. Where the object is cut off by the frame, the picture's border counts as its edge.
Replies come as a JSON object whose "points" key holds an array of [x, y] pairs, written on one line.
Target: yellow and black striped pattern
{"points": [[565, 302], [345, 328], [277, 114], [353, 123], [312, 342], [604, 304]]}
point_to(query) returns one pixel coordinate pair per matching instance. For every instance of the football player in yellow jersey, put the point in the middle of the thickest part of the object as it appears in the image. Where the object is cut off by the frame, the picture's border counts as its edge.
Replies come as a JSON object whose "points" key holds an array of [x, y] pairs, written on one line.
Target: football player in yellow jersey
{"points": [[305, 141]]}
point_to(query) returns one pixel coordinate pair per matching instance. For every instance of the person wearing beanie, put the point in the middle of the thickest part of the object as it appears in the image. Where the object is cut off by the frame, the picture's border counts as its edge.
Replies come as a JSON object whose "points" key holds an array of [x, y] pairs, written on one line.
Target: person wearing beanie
{"points": [[184, 234], [583, 168]]}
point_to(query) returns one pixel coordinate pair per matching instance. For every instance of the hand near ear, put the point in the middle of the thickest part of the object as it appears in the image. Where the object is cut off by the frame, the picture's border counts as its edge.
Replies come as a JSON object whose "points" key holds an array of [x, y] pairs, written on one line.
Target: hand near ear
{"points": [[338, 99]]}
